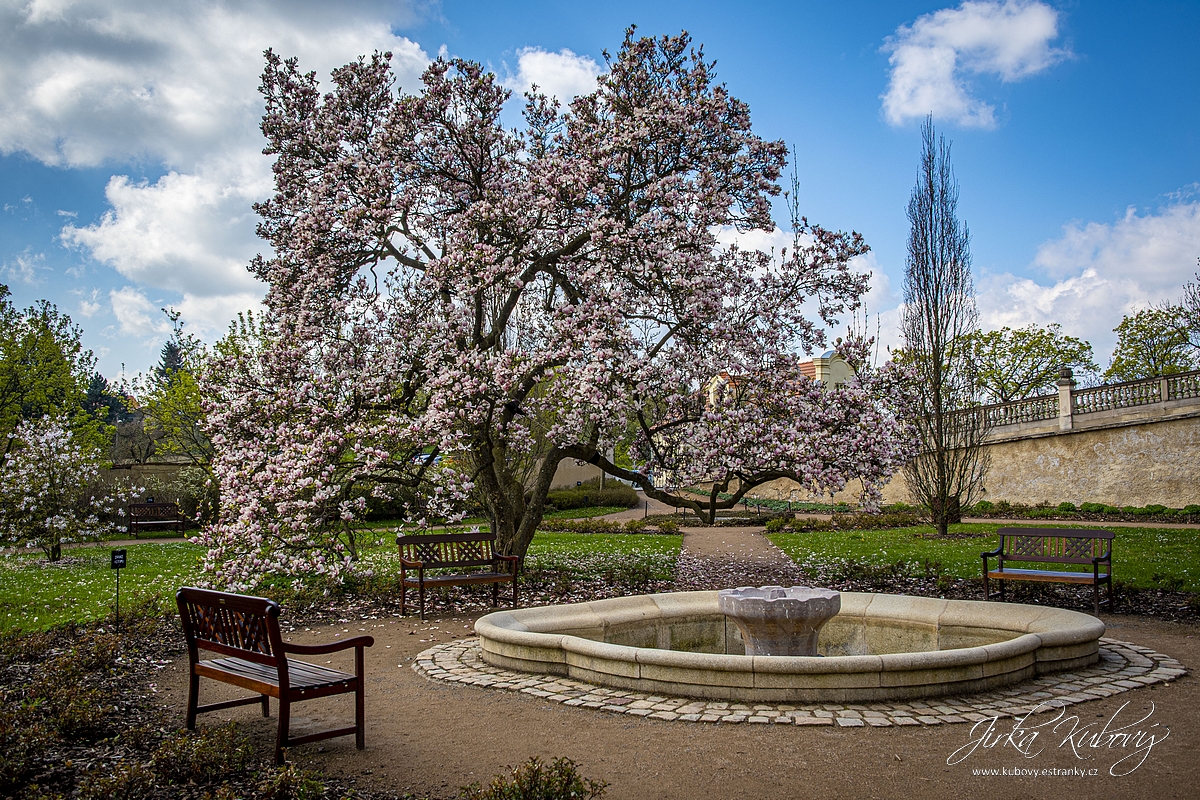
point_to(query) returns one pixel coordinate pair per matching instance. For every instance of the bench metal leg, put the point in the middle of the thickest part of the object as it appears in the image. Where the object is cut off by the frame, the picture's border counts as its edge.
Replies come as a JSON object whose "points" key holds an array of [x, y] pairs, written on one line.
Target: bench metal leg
{"points": [[1002, 600], [986, 592], [266, 705], [403, 593], [421, 591], [495, 594], [514, 591]]}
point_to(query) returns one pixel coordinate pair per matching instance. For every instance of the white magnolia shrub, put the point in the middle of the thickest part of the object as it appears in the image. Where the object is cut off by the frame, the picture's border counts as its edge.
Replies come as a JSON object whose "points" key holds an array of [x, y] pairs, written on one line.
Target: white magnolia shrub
{"points": [[51, 493]]}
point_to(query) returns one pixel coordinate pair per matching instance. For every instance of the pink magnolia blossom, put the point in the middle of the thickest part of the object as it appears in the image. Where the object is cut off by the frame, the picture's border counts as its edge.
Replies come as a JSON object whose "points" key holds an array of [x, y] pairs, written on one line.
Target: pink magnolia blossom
{"points": [[454, 307]]}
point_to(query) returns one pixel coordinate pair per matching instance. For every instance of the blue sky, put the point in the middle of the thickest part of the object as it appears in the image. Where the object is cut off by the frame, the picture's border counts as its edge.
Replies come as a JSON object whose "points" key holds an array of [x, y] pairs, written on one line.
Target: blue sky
{"points": [[129, 148]]}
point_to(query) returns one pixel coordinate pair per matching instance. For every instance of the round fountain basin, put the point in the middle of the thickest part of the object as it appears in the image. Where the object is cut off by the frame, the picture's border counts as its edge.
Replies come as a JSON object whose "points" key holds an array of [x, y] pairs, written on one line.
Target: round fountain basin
{"points": [[878, 647]]}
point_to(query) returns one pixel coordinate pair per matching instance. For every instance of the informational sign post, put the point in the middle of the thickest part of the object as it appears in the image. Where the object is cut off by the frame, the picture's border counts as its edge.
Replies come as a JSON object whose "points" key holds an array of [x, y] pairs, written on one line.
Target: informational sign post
{"points": [[117, 562]]}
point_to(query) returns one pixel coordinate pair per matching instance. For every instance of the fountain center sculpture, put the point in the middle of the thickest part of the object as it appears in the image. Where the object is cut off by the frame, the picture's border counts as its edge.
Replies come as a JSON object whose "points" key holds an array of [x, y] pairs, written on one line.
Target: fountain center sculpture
{"points": [[775, 621]]}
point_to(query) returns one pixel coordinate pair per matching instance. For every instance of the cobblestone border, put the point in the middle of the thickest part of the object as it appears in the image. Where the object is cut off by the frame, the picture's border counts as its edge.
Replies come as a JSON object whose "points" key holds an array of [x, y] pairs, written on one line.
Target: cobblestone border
{"points": [[1122, 666]]}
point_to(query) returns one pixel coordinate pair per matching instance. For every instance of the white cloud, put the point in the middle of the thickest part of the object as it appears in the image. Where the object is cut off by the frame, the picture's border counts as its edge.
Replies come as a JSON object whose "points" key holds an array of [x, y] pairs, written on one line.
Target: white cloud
{"points": [[26, 267], [563, 74], [931, 58], [94, 81], [175, 84], [89, 305], [137, 316], [1100, 272], [190, 233]]}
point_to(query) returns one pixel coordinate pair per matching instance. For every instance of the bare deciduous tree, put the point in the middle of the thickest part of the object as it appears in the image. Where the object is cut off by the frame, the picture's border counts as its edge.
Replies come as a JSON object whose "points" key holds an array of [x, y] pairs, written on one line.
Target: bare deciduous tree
{"points": [[939, 319]]}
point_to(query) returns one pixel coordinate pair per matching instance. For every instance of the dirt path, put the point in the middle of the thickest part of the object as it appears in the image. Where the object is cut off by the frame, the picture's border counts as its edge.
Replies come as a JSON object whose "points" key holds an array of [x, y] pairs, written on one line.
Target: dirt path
{"points": [[430, 738]]}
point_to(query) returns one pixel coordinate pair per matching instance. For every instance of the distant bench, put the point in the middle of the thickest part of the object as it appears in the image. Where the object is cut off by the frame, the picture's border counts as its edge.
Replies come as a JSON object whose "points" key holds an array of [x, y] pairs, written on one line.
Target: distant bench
{"points": [[457, 551], [1091, 548], [155, 516]]}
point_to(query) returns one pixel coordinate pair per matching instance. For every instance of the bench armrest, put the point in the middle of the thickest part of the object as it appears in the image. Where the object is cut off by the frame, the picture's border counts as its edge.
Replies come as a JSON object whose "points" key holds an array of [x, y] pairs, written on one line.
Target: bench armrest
{"points": [[332, 647], [514, 560], [411, 564], [992, 553]]}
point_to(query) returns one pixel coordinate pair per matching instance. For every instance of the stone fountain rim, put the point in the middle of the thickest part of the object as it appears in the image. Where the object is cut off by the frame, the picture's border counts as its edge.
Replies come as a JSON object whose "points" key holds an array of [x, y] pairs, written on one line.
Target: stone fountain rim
{"points": [[1042, 640]]}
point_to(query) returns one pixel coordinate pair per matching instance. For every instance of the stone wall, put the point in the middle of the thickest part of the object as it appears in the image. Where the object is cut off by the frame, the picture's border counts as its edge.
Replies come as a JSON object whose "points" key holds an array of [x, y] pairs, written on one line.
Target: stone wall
{"points": [[1126, 465]]}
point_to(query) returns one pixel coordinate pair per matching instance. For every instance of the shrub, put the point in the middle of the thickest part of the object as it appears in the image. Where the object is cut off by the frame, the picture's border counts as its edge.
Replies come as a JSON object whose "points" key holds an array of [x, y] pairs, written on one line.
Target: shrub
{"points": [[1191, 509], [619, 495], [202, 757], [1156, 509], [1092, 508], [533, 780], [776, 525], [1004, 505], [984, 506], [581, 526], [669, 526], [1067, 507], [635, 526]]}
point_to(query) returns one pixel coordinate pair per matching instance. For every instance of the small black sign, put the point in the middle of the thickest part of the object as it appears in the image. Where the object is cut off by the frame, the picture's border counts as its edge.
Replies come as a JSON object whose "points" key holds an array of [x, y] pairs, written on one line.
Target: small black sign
{"points": [[118, 559]]}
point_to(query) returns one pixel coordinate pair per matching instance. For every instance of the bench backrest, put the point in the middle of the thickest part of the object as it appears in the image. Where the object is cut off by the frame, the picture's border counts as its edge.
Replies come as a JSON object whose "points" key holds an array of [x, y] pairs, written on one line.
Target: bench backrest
{"points": [[153, 510], [230, 624], [1055, 545], [436, 550]]}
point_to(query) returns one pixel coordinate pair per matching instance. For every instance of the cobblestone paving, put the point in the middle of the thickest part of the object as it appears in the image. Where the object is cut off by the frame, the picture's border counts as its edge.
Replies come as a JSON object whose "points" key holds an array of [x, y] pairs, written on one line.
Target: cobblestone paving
{"points": [[1122, 666]]}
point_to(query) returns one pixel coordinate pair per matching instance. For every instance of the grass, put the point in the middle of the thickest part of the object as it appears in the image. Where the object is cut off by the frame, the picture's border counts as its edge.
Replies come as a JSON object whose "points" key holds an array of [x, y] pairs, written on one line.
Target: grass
{"points": [[1146, 558], [593, 554], [37, 595]]}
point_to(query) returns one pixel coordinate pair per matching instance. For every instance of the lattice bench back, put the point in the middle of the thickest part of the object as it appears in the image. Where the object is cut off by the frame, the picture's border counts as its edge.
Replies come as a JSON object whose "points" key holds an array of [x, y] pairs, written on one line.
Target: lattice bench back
{"points": [[230, 624], [153, 511], [438, 550], [1054, 545]]}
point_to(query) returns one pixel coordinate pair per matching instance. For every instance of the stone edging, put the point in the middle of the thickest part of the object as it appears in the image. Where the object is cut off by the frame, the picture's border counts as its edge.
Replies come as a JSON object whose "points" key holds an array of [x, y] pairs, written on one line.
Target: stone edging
{"points": [[1122, 666]]}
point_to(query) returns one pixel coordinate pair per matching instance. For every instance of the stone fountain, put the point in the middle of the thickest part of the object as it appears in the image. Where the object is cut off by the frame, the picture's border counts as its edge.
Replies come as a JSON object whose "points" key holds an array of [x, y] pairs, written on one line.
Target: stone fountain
{"points": [[775, 621]]}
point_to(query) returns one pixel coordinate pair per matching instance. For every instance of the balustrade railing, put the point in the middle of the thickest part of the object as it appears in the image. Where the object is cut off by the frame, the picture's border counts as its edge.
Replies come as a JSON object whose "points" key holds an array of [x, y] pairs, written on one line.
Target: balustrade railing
{"points": [[1183, 386], [1031, 409], [1113, 396], [1117, 395]]}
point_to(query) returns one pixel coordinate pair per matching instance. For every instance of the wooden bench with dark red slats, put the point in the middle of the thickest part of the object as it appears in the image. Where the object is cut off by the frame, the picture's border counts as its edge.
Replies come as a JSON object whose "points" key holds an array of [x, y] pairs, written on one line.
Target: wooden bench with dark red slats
{"points": [[245, 632], [1091, 548], [438, 551], [154, 516]]}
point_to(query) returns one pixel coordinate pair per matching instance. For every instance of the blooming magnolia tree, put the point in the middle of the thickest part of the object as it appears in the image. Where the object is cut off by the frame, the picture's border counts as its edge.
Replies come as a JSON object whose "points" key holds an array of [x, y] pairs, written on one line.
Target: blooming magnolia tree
{"points": [[455, 307], [50, 489]]}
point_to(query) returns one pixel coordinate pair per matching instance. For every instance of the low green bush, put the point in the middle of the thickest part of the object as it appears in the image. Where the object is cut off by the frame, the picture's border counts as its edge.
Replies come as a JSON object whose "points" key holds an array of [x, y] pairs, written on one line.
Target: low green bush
{"points": [[586, 496], [581, 526], [1067, 507], [1092, 508], [534, 780], [984, 506]]}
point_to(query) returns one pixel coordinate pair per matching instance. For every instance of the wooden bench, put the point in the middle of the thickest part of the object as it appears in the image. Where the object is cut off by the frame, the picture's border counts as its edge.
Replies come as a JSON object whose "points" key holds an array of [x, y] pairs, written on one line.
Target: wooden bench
{"points": [[154, 516], [438, 551], [1052, 546], [244, 631]]}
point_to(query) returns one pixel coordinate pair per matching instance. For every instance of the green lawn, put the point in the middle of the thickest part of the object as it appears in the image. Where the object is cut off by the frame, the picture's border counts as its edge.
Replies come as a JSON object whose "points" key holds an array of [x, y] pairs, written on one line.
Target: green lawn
{"points": [[1142, 557], [36, 595]]}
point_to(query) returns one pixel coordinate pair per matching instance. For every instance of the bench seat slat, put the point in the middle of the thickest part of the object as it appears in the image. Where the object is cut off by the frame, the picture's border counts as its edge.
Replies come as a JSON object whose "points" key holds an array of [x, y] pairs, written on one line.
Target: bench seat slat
{"points": [[301, 674], [1045, 575]]}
